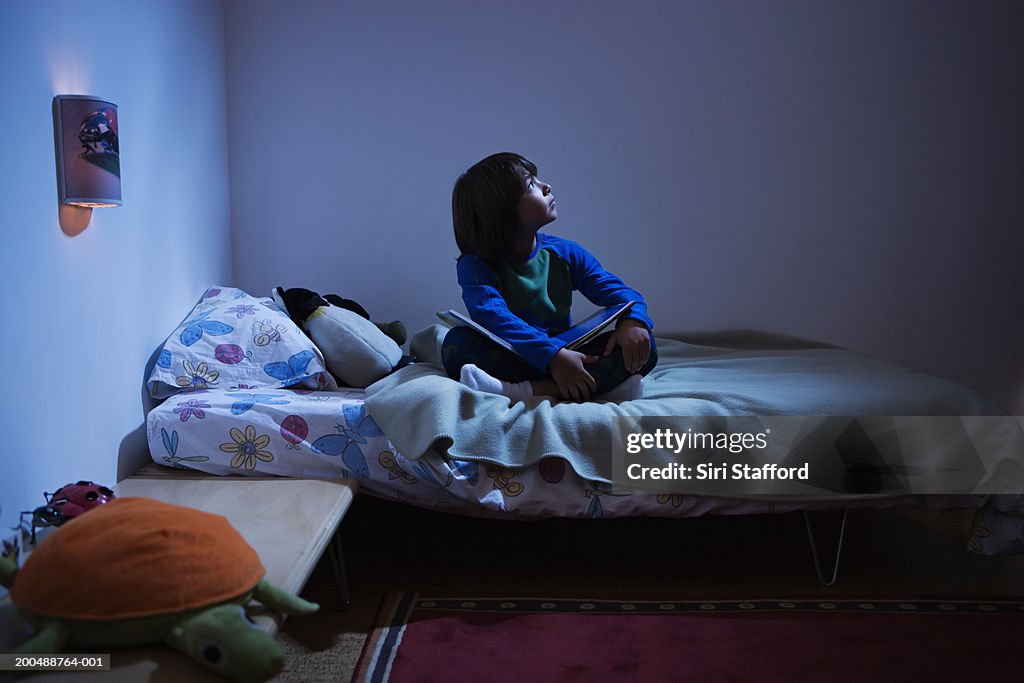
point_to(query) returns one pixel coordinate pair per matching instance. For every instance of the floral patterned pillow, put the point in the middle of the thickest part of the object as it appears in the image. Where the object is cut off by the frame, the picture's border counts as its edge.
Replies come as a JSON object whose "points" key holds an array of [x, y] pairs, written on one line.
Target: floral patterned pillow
{"points": [[233, 341]]}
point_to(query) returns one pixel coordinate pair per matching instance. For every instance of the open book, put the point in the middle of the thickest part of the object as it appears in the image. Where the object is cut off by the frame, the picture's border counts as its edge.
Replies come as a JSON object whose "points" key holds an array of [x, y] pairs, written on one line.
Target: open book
{"points": [[573, 338]]}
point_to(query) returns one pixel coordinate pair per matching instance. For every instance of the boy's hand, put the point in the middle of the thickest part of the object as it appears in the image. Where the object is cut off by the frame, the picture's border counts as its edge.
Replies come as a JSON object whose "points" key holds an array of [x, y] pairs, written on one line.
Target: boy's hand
{"points": [[573, 380], [635, 340]]}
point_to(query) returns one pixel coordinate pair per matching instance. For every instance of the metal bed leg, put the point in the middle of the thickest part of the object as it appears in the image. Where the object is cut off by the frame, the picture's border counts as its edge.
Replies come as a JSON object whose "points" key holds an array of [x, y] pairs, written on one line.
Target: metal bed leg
{"points": [[814, 550], [338, 565]]}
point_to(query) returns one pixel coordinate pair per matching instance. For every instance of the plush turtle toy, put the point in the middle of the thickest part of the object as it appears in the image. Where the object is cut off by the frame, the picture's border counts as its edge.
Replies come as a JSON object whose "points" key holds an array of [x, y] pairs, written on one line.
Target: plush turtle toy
{"points": [[137, 571]]}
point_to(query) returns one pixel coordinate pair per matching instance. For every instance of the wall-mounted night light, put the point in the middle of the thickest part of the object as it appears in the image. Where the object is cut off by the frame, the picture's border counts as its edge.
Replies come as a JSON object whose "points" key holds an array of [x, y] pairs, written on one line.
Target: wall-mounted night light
{"points": [[88, 159]]}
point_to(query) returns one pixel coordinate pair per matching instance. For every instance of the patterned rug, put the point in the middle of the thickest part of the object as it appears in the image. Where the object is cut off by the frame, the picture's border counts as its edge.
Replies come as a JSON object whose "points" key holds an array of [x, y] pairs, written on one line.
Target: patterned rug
{"points": [[422, 638]]}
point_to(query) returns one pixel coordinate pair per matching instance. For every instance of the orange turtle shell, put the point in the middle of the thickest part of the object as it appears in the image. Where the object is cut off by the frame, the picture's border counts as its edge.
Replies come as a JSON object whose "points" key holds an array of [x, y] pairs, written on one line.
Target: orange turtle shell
{"points": [[136, 557]]}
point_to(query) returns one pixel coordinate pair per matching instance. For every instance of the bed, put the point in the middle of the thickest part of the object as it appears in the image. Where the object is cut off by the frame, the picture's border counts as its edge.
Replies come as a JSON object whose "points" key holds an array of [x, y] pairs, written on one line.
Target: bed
{"points": [[422, 439]]}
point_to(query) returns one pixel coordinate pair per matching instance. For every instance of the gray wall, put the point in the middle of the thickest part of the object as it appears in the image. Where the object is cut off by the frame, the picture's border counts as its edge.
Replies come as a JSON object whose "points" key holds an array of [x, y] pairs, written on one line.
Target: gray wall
{"points": [[85, 313], [849, 171]]}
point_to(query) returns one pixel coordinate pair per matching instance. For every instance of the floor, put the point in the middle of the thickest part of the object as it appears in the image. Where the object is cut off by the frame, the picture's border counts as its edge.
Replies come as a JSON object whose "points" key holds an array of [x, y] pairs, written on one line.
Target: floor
{"points": [[887, 553]]}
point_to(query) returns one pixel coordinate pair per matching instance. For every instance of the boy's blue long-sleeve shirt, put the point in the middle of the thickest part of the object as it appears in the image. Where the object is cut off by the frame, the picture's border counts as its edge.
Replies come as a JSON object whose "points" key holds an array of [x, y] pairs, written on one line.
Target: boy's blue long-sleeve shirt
{"points": [[525, 303]]}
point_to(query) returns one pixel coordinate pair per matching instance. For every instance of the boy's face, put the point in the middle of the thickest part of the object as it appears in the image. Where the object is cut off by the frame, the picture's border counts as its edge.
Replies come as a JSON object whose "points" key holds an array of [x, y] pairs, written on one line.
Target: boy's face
{"points": [[537, 205]]}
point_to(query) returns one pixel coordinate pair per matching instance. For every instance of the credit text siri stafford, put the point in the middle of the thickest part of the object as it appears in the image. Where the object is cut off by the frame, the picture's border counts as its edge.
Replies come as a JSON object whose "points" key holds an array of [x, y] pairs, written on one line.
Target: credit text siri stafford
{"points": [[708, 472]]}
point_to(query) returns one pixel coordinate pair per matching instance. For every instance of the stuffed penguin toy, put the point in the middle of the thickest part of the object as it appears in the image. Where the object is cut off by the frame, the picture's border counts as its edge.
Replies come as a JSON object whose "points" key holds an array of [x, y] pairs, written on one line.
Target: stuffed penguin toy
{"points": [[355, 350], [394, 329]]}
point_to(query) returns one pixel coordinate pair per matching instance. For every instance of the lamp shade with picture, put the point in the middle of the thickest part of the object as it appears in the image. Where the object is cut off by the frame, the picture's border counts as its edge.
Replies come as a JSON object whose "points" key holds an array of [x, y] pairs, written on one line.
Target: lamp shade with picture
{"points": [[88, 151]]}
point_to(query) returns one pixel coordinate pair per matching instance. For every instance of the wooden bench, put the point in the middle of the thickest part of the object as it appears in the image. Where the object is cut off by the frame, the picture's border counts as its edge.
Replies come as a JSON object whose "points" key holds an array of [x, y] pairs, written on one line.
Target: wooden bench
{"points": [[289, 522]]}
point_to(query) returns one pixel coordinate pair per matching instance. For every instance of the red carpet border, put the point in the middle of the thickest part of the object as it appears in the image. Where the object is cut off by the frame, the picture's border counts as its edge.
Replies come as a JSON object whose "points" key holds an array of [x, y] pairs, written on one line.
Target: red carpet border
{"points": [[503, 639]]}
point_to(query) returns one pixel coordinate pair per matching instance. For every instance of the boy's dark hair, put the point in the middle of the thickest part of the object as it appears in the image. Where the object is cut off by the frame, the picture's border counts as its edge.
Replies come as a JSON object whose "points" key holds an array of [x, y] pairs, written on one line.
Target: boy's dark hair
{"points": [[485, 203]]}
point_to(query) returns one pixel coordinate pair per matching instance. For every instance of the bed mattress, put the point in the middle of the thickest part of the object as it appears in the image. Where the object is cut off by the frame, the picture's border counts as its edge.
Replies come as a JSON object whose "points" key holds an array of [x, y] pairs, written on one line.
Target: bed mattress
{"points": [[299, 433], [419, 438]]}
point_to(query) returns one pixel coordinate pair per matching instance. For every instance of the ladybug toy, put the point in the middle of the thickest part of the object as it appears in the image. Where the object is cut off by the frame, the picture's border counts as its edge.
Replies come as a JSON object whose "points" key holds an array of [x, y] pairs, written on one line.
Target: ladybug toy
{"points": [[68, 502]]}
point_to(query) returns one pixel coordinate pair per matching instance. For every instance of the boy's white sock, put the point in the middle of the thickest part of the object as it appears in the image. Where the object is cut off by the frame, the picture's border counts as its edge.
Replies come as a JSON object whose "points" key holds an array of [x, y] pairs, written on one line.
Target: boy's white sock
{"points": [[475, 378], [631, 388]]}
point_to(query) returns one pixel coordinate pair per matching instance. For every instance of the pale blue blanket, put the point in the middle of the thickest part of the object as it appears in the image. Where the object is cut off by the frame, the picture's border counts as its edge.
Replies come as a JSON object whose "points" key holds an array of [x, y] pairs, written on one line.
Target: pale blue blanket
{"points": [[726, 374]]}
